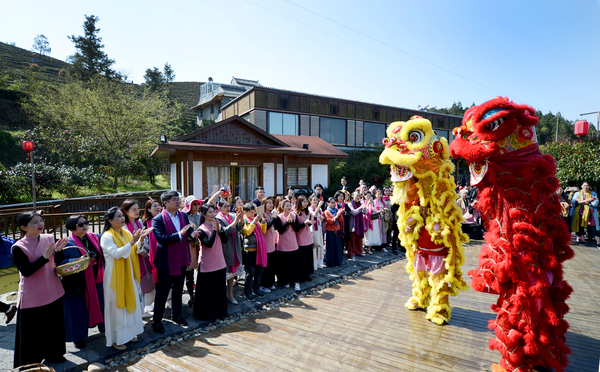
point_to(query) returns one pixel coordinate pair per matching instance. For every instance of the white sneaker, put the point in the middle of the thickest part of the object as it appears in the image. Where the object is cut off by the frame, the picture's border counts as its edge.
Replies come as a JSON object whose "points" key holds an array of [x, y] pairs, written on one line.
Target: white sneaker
{"points": [[266, 290], [272, 287], [297, 287], [286, 286], [384, 250]]}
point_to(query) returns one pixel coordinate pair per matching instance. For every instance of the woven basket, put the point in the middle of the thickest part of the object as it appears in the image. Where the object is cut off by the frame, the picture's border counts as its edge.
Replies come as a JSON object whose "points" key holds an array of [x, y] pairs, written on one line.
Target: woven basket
{"points": [[35, 367], [73, 267]]}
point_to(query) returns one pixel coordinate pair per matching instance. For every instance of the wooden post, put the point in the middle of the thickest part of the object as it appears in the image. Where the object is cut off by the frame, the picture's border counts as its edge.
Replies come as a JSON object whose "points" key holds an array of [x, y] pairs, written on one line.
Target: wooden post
{"points": [[285, 174], [190, 174]]}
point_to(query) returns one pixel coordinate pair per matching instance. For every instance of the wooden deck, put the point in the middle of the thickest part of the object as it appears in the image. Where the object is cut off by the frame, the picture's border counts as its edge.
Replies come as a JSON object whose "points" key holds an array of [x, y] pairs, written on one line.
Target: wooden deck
{"points": [[362, 325]]}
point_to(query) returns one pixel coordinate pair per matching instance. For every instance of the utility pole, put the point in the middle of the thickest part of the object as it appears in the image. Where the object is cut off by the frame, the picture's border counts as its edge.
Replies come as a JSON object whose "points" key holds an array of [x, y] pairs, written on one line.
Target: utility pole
{"points": [[556, 139]]}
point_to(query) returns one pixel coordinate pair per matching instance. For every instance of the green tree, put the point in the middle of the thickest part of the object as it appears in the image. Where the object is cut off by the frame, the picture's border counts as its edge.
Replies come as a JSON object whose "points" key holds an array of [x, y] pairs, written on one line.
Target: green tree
{"points": [[90, 59], [156, 79], [576, 162], [457, 109], [360, 164], [114, 118], [41, 45]]}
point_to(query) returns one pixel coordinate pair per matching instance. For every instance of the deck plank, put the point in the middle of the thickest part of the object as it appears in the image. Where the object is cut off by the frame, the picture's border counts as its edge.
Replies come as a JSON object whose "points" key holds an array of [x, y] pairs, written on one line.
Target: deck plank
{"points": [[362, 325]]}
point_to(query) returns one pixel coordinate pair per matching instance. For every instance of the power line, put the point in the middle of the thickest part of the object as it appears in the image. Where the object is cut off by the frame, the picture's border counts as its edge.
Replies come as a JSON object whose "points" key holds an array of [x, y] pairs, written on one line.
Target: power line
{"points": [[387, 44], [372, 50]]}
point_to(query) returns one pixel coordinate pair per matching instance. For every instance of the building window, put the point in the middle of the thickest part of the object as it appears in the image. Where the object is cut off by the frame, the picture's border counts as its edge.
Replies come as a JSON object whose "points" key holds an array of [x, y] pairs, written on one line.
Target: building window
{"points": [[217, 177], [246, 117], [283, 103], [283, 123], [376, 113], [297, 176], [443, 133], [212, 108], [333, 131], [333, 108], [373, 133]]}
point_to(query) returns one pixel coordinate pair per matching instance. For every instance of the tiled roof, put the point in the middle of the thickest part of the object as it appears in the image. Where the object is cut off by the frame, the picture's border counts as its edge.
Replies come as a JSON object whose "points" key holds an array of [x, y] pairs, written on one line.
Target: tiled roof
{"points": [[226, 90], [245, 82], [316, 145]]}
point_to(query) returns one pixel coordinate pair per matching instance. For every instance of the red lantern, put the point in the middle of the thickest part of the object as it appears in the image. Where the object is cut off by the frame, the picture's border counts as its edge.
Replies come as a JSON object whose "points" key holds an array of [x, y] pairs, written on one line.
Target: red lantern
{"points": [[582, 128], [27, 145]]}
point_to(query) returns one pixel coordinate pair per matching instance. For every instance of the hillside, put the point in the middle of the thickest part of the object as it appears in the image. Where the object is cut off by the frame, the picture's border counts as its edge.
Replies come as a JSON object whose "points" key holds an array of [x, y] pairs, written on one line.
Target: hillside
{"points": [[187, 93], [13, 58]]}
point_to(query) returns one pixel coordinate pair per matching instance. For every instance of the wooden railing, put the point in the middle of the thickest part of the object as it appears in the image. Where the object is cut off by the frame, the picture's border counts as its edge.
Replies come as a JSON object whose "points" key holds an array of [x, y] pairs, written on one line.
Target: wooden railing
{"points": [[54, 223], [55, 216]]}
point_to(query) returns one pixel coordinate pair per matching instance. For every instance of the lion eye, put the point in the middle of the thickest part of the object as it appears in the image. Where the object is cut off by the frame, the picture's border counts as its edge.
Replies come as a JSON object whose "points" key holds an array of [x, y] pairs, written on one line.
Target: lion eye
{"points": [[494, 124], [416, 136]]}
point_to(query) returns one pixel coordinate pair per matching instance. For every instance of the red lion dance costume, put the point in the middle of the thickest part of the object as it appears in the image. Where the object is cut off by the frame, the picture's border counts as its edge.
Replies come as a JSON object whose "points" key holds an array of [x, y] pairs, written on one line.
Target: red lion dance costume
{"points": [[527, 240]]}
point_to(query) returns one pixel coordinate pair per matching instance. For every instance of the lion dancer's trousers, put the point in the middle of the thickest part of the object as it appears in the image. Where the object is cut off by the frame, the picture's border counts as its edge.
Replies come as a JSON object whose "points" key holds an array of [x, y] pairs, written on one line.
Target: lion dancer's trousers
{"points": [[429, 291]]}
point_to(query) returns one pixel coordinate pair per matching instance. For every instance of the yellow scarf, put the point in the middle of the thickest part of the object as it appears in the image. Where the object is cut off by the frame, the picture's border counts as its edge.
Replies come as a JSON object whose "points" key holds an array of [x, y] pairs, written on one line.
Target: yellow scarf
{"points": [[585, 218], [121, 281]]}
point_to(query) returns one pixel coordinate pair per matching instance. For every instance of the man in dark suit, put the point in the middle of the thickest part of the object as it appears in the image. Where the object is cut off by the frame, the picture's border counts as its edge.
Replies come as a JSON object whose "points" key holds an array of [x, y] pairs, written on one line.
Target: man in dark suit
{"points": [[172, 258]]}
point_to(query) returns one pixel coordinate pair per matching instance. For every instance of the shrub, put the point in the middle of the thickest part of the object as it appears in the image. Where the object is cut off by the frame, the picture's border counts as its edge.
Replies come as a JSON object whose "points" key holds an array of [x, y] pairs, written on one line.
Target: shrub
{"points": [[73, 179], [34, 67], [11, 186]]}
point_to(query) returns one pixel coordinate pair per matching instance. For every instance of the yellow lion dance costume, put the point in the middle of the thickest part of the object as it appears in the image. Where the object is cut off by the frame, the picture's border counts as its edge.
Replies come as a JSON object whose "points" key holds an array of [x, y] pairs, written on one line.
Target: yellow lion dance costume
{"points": [[428, 216]]}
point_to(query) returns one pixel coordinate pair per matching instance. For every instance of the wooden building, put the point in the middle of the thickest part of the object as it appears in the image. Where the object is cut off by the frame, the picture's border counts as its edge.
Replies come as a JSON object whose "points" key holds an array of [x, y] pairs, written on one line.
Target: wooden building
{"points": [[348, 125], [236, 154]]}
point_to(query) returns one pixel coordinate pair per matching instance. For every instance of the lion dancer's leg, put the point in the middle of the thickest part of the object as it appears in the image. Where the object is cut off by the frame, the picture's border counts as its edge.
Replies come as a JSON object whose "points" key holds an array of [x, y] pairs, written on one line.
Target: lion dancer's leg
{"points": [[421, 291], [439, 310]]}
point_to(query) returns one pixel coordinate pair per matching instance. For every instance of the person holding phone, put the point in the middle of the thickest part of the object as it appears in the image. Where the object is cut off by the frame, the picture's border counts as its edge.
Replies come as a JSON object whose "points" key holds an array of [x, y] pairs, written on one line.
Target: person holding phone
{"points": [[172, 258]]}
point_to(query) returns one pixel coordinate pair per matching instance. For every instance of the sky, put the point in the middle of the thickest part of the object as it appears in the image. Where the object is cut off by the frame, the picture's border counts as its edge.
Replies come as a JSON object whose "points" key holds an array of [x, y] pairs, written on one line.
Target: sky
{"points": [[543, 53]]}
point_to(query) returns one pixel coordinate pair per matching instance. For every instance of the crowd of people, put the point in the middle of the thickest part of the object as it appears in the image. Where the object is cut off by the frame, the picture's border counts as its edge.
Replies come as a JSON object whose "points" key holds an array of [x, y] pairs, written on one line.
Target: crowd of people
{"points": [[141, 262], [579, 210]]}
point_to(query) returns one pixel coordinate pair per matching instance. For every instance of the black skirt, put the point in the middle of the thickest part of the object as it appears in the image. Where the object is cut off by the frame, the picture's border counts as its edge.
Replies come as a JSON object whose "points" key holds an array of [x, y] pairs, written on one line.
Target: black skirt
{"points": [[268, 277], [307, 262], [288, 267], [40, 334], [210, 300]]}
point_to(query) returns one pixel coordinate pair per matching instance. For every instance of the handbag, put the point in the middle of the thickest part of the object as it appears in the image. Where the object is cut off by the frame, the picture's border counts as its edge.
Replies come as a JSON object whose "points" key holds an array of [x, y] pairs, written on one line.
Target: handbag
{"points": [[375, 216]]}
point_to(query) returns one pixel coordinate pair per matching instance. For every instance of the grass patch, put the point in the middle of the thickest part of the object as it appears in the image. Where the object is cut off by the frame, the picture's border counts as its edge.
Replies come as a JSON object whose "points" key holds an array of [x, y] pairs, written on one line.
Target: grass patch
{"points": [[9, 279], [126, 185]]}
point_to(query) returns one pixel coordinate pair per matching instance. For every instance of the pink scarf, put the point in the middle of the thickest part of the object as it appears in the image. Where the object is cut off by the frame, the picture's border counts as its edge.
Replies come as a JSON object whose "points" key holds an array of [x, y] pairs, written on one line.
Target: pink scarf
{"points": [[316, 225], [131, 228], [91, 294], [153, 245], [342, 207], [179, 252], [236, 261], [261, 245]]}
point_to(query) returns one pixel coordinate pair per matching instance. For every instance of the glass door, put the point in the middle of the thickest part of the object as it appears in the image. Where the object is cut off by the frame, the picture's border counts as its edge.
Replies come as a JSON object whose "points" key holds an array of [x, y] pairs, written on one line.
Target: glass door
{"points": [[244, 180]]}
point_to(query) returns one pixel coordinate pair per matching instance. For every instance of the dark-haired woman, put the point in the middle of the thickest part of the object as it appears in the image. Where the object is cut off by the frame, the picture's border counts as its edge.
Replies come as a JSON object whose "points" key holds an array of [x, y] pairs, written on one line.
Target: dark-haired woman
{"points": [[267, 281], [211, 291], [83, 303], [288, 262], [333, 225], [131, 211], [232, 246], [305, 240], [151, 210], [123, 304], [40, 332], [192, 209]]}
